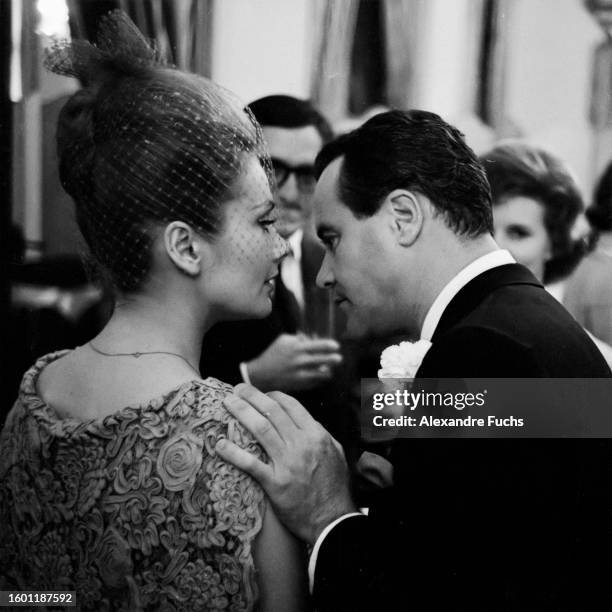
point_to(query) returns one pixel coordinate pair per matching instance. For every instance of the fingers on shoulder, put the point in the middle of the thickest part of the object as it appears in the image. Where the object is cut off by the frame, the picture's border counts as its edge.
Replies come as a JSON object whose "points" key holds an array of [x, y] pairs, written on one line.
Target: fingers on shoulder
{"points": [[243, 459], [299, 415], [240, 432]]}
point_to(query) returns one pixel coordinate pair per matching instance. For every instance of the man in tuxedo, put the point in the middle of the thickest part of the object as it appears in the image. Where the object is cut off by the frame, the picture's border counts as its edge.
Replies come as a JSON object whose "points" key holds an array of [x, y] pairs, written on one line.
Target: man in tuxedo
{"points": [[403, 208], [280, 351]]}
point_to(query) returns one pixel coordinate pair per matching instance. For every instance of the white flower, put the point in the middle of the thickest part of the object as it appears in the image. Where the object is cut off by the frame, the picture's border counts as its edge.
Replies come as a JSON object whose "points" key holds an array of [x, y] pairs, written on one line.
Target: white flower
{"points": [[402, 360]]}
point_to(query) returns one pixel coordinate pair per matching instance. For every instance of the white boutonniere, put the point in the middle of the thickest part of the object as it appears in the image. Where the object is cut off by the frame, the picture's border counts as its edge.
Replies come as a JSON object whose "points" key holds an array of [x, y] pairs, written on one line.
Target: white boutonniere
{"points": [[402, 360]]}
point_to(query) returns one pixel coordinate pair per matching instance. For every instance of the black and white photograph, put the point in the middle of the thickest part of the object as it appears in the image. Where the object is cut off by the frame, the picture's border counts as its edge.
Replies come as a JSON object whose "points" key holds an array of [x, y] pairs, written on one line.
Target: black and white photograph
{"points": [[306, 305]]}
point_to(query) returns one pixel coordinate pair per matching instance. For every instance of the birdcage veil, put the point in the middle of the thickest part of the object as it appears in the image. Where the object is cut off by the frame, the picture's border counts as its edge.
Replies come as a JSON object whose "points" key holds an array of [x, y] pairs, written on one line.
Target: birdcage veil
{"points": [[143, 144]]}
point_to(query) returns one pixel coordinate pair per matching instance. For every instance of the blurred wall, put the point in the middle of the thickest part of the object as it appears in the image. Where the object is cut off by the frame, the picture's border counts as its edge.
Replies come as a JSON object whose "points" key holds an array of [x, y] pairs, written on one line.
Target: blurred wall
{"points": [[446, 71], [549, 72], [262, 47]]}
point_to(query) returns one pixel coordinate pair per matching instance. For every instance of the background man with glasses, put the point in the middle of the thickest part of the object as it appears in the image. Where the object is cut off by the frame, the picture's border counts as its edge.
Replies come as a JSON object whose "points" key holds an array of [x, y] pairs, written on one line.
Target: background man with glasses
{"points": [[292, 350]]}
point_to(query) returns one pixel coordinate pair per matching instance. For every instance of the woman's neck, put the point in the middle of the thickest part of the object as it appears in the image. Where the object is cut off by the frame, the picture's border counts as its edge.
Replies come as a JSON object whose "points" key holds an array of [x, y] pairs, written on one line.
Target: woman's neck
{"points": [[142, 324]]}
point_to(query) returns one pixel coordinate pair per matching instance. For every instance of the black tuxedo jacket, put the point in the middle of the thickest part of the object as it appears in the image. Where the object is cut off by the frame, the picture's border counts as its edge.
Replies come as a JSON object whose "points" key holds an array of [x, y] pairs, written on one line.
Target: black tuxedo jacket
{"points": [[226, 345], [485, 524]]}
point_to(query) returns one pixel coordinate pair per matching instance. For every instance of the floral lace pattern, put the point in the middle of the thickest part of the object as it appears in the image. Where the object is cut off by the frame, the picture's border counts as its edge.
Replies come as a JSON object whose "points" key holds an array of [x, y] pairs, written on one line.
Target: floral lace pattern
{"points": [[134, 511]]}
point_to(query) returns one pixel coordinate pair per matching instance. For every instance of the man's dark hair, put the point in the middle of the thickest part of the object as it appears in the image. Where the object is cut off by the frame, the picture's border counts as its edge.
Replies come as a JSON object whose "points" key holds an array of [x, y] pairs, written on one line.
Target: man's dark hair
{"points": [[414, 150], [599, 213], [289, 112]]}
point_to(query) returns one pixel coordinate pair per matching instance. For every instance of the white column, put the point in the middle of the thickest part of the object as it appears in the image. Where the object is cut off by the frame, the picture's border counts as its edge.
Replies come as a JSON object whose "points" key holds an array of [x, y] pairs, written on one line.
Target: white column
{"points": [[262, 47], [445, 70]]}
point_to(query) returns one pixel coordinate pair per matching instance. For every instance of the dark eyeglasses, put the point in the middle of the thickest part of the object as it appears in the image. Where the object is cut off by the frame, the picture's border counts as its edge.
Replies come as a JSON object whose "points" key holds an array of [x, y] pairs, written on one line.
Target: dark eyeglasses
{"points": [[304, 175]]}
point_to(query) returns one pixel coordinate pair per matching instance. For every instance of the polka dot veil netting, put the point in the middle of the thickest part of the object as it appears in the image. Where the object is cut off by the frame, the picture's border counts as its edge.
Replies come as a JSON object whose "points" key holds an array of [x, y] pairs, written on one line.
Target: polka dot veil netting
{"points": [[143, 144]]}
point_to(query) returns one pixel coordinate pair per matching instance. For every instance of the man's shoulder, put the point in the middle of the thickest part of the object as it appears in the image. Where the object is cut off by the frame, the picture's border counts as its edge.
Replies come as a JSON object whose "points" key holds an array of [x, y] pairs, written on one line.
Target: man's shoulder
{"points": [[508, 301], [478, 351], [513, 330], [505, 306]]}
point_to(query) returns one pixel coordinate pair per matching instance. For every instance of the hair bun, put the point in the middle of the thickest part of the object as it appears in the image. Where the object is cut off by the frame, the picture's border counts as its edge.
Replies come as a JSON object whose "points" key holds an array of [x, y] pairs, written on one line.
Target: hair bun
{"points": [[120, 48], [142, 145], [75, 139]]}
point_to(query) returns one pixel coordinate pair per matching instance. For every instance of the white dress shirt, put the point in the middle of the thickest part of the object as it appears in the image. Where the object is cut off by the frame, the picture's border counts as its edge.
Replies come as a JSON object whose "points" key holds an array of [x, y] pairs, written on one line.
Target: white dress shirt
{"points": [[491, 260], [291, 267]]}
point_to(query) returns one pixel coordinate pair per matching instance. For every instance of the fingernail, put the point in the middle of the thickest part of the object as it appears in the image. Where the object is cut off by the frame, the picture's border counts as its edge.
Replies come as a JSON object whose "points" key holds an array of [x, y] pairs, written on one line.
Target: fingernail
{"points": [[230, 400], [221, 444]]}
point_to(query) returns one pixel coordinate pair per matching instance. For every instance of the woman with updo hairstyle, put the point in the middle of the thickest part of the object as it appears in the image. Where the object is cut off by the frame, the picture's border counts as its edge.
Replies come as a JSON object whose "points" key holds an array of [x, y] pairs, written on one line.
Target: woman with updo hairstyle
{"points": [[588, 295], [537, 214], [109, 481]]}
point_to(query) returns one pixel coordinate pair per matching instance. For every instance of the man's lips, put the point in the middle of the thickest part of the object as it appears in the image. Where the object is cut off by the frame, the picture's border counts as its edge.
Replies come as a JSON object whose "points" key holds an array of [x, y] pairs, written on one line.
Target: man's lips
{"points": [[339, 299]]}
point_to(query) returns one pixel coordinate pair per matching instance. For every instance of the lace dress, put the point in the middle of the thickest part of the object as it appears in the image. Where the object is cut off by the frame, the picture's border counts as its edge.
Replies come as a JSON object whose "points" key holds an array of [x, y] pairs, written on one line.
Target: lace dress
{"points": [[133, 511]]}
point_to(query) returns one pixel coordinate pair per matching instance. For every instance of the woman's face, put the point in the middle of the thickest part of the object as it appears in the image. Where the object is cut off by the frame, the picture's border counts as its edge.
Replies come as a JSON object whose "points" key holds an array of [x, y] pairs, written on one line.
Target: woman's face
{"points": [[519, 227], [240, 282]]}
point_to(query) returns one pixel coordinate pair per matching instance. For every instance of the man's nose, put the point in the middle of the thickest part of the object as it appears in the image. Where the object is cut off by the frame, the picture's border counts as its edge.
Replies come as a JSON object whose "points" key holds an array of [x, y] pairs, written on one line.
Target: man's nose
{"points": [[289, 189], [325, 277]]}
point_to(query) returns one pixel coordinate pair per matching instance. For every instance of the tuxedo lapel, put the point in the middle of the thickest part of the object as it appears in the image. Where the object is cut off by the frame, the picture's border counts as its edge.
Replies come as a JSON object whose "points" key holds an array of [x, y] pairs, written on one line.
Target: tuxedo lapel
{"points": [[472, 294]]}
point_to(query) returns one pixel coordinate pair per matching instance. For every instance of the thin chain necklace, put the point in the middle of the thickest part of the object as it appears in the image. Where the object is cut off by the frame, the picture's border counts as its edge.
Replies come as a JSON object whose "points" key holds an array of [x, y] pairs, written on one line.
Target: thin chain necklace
{"points": [[139, 354]]}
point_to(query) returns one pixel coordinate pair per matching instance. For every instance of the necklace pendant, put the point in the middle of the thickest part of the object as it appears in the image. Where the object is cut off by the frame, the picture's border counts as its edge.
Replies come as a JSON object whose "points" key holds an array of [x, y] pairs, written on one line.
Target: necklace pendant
{"points": [[137, 355]]}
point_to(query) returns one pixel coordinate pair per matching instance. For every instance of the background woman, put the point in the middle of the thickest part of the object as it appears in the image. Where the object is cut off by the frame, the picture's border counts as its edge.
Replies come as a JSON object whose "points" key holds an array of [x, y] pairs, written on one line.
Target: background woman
{"points": [[537, 209], [109, 484]]}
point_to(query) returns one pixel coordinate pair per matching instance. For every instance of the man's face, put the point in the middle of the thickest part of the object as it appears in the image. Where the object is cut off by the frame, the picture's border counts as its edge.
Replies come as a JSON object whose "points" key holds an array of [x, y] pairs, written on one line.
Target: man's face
{"points": [[293, 151], [360, 262]]}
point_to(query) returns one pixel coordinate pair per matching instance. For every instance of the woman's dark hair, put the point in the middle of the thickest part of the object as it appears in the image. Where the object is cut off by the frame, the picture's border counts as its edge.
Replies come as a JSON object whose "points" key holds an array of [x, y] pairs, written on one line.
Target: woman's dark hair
{"points": [[517, 169], [413, 150], [599, 213], [143, 144]]}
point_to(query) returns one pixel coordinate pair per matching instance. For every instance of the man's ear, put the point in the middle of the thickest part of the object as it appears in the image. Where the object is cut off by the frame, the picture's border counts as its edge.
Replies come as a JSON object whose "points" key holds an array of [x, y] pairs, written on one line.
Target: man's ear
{"points": [[406, 211], [183, 247]]}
